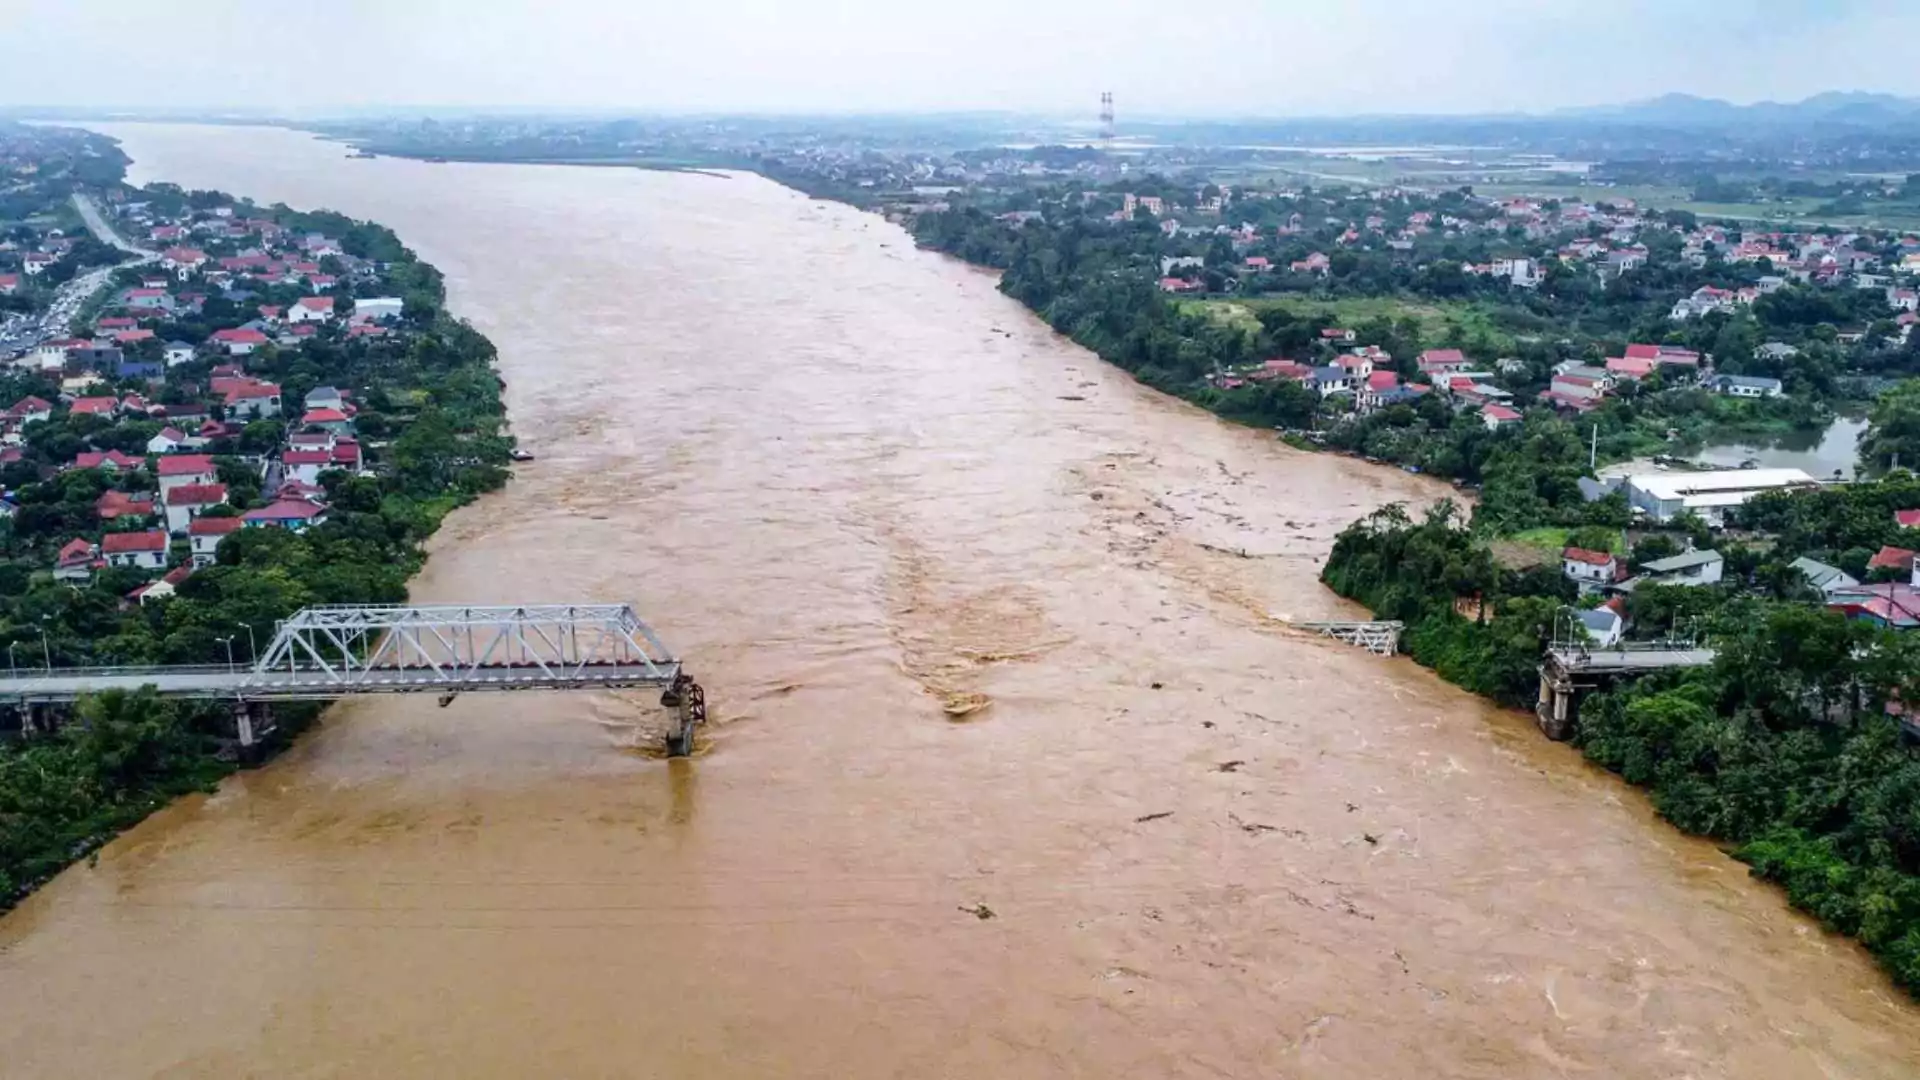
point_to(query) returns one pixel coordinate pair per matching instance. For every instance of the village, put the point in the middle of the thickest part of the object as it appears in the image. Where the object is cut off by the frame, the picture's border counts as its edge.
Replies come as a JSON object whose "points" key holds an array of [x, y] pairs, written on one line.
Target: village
{"points": [[169, 397]]}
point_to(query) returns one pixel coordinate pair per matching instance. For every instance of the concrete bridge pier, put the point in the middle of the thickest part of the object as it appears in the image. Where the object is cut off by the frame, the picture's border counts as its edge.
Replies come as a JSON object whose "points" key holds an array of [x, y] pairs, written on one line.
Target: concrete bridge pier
{"points": [[1558, 710], [252, 723]]}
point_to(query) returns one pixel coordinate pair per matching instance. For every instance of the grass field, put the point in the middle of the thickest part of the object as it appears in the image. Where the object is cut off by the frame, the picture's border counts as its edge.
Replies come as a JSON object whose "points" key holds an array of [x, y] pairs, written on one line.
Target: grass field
{"points": [[1554, 540], [1434, 316]]}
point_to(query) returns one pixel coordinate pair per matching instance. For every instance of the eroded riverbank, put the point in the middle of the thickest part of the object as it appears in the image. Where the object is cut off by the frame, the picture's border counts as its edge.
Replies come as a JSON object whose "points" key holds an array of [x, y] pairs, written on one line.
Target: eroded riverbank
{"points": [[840, 475]]}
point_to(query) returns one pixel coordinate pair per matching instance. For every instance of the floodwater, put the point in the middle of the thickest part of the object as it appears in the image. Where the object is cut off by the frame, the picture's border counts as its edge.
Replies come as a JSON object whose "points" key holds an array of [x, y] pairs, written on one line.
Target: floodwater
{"points": [[852, 483]]}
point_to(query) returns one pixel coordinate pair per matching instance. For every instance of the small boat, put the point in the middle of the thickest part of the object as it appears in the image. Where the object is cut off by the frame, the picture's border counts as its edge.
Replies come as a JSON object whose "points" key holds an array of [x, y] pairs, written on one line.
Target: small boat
{"points": [[518, 454]]}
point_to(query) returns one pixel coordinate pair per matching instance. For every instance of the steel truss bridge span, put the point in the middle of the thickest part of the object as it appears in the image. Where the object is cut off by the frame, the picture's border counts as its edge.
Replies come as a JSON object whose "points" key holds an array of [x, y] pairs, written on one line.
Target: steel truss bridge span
{"points": [[324, 653]]}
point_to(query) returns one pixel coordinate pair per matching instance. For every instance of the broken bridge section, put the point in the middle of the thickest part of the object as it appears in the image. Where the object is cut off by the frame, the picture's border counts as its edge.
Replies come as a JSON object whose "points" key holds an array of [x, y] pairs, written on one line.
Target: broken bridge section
{"points": [[324, 653]]}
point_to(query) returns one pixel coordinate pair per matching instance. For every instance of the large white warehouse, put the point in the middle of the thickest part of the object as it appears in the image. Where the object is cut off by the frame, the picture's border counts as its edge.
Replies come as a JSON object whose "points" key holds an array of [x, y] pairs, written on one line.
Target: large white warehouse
{"points": [[1663, 495]]}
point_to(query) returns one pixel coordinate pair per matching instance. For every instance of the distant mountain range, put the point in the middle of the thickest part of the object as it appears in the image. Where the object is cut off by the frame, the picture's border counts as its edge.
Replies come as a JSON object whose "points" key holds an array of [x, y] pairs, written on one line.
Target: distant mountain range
{"points": [[1849, 107]]}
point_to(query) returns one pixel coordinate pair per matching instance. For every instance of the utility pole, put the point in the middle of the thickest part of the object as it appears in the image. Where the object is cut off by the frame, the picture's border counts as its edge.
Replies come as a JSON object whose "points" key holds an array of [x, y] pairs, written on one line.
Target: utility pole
{"points": [[1593, 449]]}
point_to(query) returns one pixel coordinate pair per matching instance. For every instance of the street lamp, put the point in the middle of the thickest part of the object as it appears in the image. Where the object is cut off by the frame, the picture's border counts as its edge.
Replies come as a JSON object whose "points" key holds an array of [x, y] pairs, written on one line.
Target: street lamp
{"points": [[46, 652], [228, 642], [12, 664], [253, 651]]}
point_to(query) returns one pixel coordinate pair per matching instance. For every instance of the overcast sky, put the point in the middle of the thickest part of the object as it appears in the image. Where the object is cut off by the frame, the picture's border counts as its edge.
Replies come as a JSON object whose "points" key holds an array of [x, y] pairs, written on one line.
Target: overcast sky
{"points": [[1159, 57]]}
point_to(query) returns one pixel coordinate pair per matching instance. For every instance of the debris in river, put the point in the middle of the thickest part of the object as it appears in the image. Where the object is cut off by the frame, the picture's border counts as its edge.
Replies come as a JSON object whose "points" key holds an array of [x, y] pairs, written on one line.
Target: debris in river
{"points": [[959, 704], [1069, 397], [1370, 838], [1229, 766], [1252, 828], [1152, 817], [1158, 686], [979, 911]]}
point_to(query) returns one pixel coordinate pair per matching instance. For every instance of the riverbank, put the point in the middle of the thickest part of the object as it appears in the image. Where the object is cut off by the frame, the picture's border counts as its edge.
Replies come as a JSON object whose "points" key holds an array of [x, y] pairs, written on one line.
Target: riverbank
{"points": [[1869, 897], [414, 429]]}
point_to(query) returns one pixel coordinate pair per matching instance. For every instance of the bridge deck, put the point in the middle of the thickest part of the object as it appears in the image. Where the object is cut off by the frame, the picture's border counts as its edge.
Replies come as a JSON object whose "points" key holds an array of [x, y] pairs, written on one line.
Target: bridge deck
{"points": [[1628, 661], [245, 684]]}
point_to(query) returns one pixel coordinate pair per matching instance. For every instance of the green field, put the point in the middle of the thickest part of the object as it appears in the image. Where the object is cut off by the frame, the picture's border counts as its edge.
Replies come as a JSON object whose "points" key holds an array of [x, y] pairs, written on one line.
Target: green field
{"points": [[1554, 540], [1435, 317]]}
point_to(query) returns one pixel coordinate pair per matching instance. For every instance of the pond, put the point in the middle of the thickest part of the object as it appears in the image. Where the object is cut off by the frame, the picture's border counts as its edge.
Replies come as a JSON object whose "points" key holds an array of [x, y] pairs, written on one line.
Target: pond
{"points": [[1821, 453]]}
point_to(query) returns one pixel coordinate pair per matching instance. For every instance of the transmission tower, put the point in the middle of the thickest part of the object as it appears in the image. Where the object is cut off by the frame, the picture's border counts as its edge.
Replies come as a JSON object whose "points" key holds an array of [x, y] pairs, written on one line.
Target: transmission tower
{"points": [[1106, 117]]}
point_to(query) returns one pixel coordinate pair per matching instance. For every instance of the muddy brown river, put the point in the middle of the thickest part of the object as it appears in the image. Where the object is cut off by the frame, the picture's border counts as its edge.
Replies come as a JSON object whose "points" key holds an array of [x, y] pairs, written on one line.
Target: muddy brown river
{"points": [[853, 484]]}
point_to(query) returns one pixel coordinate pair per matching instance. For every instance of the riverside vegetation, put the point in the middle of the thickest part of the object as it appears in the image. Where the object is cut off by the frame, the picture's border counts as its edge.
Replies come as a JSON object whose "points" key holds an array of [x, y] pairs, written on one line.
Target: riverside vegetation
{"points": [[1785, 748], [431, 415]]}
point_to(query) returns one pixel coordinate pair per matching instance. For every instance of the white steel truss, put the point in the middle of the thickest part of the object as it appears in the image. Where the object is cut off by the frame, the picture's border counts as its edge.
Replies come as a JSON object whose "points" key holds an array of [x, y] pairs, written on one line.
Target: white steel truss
{"points": [[456, 647]]}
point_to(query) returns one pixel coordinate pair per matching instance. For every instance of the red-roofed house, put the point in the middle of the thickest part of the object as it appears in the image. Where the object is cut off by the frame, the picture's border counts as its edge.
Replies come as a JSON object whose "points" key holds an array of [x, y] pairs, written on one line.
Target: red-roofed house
{"points": [[249, 399], [205, 533], [114, 505], [1632, 368], [179, 470], [188, 501], [311, 309], [183, 260], [297, 515], [162, 589], [110, 460], [240, 340], [1498, 416], [76, 562], [9, 284], [132, 337], [111, 323], [95, 406], [1179, 285], [346, 454], [167, 441], [30, 410], [1892, 558], [1907, 519], [1443, 361], [306, 465], [1590, 569], [140, 550], [1894, 604], [1282, 369]]}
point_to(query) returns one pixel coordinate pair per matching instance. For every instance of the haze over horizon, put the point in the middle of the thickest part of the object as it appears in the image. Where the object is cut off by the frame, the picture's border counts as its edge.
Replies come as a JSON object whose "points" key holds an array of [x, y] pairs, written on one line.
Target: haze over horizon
{"points": [[1234, 57]]}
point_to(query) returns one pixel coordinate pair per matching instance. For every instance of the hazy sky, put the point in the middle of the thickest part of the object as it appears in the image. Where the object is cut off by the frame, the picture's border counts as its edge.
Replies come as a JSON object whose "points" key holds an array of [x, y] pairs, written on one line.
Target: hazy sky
{"points": [[1237, 57]]}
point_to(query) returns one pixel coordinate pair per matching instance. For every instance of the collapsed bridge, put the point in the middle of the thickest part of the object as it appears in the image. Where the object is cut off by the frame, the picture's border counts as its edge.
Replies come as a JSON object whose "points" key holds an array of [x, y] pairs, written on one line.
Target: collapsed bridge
{"points": [[326, 653]]}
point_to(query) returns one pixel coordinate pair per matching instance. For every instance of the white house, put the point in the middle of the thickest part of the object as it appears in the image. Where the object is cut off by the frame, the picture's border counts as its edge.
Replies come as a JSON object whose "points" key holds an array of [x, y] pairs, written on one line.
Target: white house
{"points": [[178, 352], [250, 399], [311, 309], [1604, 626], [180, 470], [140, 550], [186, 502], [167, 441], [1747, 386], [1687, 568], [1589, 569], [390, 307], [205, 533]]}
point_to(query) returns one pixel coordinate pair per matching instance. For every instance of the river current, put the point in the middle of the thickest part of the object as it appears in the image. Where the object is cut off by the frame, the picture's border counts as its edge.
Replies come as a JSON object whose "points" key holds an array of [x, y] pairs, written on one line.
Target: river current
{"points": [[860, 491]]}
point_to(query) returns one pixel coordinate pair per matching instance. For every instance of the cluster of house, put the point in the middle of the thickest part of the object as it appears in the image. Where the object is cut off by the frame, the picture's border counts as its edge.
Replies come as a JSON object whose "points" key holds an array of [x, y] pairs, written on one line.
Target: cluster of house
{"points": [[191, 505], [1892, 604], [1364, 375]]}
